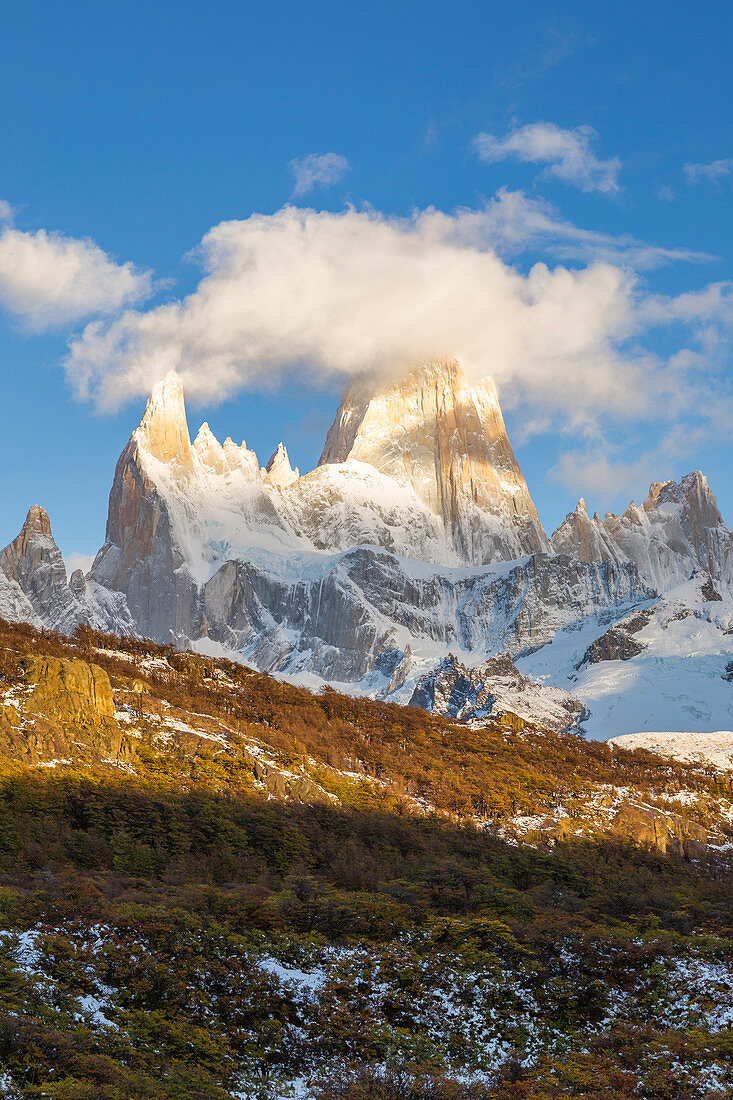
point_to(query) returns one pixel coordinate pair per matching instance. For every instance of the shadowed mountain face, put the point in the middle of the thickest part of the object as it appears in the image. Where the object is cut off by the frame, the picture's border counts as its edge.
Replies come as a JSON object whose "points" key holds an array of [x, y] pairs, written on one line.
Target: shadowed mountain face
{"points": [[34, 586]]}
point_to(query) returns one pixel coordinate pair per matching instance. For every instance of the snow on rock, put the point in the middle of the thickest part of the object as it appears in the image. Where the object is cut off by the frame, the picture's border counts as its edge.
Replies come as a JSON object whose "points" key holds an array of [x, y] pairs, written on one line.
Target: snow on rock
{"points": [[675, 681], [34, 586], [278, 470], [676, 531], [494, 690], [447, 440], [715, 748]]}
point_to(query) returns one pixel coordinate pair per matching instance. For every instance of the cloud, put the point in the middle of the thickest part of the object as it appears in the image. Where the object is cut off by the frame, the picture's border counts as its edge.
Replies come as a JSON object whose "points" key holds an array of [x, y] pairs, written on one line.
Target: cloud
{"points": [[334, 295], [590, 472], [77, 560], [6, 211], [567, 154], [709, 173], [48, 280], [317, 170], [605, 469], [511, 223]]}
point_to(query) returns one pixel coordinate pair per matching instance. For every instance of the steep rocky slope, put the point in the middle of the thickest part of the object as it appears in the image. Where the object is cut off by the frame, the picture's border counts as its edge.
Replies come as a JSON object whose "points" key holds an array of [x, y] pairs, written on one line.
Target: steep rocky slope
{"points": [[676, 531], [494, 690], [34, 586], [448, 441]]}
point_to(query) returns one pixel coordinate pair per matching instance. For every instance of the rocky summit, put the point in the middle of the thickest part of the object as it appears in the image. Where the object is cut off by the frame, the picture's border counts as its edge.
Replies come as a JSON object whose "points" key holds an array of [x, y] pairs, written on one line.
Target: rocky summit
{"points": [[414, 540]]}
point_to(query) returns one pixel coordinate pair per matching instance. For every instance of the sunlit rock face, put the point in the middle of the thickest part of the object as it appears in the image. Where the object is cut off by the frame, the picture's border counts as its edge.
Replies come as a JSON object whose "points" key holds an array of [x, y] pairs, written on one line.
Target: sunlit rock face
{"points": [[278, 470], [173, 509], [447, 440], [429, 475], [677, 531]]}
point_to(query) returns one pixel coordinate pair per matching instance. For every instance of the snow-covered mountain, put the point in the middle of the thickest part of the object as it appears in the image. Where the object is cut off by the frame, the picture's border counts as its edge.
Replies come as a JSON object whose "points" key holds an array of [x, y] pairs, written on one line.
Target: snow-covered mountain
{"points": [[677, 530], [414, 540], [404, 543], [34, 586]]}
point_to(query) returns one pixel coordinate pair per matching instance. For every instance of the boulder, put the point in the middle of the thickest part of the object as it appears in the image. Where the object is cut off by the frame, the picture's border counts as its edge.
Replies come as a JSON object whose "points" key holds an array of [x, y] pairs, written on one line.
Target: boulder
{"points": [[663, 832], [69, 690]]}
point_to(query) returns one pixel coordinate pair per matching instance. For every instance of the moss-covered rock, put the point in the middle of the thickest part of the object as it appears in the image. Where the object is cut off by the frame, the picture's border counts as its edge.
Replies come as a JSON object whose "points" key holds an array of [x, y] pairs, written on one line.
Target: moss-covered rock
{"points": [[69, 690]]}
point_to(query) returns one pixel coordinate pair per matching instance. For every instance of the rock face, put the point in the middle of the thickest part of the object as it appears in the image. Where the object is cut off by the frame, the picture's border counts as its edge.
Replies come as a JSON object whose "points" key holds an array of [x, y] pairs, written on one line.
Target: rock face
{"points": [[34, 562], [677, 531], [278, 470], [448, 441], [69, 690], [663, 832], [34, 586], [497, 690], [357, 616], [618, 643]]}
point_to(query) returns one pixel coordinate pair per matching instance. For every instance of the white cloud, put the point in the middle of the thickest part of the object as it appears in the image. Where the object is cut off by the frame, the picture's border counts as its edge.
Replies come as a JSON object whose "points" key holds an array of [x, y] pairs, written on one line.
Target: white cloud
{"points": [[6, 211], [48, 280], [567, 154], [713, 172], [605, 470], [77, 560], [333, 295], [511, 223], [591, 473], [317, 170]]}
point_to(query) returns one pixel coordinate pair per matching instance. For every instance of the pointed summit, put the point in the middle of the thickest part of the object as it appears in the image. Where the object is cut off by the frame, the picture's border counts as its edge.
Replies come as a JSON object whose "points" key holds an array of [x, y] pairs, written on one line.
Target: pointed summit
{"points": [[163, 430], [447, 439], [34, 562], [36, 521], [278, 470], [209, 450]]}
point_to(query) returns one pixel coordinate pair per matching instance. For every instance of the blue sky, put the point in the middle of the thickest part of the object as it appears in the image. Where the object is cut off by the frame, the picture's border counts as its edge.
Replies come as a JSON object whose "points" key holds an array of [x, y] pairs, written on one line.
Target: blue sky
{"points": [[594, 139]]}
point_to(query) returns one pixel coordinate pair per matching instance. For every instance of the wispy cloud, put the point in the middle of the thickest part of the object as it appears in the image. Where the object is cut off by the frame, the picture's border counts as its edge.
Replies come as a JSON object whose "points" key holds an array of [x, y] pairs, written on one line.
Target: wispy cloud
{"points": [[713, 172], [605, 470], [513, 223], [77, 560], [317, 170], [48, 280], [567, 154], [6, 212]]}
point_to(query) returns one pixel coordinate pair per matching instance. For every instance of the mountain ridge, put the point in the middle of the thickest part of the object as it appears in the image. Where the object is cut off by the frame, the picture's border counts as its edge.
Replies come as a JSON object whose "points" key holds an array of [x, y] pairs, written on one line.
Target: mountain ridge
{"points": [[415, 539]]}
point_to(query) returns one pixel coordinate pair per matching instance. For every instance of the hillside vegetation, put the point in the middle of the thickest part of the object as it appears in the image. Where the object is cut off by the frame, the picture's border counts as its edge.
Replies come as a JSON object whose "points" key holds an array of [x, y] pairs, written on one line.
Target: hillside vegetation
{"points": [[216, 885]]}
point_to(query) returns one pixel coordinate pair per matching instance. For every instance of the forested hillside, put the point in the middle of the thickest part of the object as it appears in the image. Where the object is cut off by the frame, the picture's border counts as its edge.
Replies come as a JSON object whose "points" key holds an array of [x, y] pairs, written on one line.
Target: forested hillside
{"points": [[214, 884]]}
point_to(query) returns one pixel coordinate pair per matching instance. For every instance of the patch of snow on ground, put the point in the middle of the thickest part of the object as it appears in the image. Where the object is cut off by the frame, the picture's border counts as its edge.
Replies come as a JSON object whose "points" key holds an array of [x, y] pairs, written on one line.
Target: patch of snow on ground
{"points": [[691, 747]]}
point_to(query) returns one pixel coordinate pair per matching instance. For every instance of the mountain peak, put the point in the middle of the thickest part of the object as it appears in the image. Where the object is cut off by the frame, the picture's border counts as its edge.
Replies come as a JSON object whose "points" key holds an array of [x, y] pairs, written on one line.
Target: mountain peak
{"points": [[163, 430], [37, 521], [279, 471], [446, 438]]}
